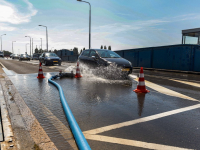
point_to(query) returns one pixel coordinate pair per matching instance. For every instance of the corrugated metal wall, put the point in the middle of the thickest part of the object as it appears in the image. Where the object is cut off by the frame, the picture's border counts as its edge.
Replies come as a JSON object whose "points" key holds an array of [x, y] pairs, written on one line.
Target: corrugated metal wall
{"points": [[173, 57]]}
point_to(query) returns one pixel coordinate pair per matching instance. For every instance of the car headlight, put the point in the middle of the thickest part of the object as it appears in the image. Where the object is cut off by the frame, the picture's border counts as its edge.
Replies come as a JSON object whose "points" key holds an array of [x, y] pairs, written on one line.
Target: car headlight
{"points": [[59, 58], [130, 63], [48, 58]]}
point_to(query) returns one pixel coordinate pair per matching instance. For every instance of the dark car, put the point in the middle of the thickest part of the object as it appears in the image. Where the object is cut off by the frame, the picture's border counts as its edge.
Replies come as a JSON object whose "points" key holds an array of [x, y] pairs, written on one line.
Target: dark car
{"points": [[35, 56], [101, 57], [50, 58], [24, 57], [1, 54], [15, 56]]}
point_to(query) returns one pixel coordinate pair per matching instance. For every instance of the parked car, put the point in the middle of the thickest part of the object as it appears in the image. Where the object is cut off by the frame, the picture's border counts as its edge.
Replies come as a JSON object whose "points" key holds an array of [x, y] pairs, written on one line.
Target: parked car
{"points": [[100, 57], [11, 55], [1, 54], [15, 56], [24, 57], [35, 56], [50, 58]]}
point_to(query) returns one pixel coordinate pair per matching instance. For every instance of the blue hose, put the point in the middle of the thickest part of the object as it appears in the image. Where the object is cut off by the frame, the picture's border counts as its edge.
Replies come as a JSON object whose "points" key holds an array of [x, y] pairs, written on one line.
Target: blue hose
{"points": [[78, 135]]}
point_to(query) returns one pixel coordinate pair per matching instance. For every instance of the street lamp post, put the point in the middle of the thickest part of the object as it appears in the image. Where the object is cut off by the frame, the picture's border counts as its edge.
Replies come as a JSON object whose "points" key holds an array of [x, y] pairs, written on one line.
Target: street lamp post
{"points": [[46, 35], [89, 22], [12, 46], [1, 41], [41, 43], [26, 47], [30, 44]]}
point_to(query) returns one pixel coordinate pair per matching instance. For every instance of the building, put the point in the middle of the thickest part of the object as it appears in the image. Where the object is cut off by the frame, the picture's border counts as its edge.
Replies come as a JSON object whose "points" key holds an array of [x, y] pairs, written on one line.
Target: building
{"points": [[191, 36], [64, 52]]}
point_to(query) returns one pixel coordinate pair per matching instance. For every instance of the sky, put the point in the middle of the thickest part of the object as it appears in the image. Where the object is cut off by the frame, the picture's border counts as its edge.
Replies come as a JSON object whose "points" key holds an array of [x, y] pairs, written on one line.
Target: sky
{"points": [[121, 24]]}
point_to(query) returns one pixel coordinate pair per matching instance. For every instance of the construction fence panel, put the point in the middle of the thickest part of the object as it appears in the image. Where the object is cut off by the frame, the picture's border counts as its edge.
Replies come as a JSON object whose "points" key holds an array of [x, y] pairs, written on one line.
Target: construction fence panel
{"points": [[132, 56], [175, 57], [144, 58], [197, 59]]}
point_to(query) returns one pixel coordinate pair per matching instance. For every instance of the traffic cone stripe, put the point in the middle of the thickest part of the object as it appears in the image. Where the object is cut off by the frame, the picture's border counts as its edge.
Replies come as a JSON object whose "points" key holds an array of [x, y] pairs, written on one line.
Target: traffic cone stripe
{"points": [[141, 83], [141, 75]]}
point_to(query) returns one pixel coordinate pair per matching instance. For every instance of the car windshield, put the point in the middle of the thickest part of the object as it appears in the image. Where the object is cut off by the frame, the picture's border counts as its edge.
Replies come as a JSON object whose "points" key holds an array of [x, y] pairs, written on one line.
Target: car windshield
{"points": [[51, 55], [107, 54], [24, 55]]}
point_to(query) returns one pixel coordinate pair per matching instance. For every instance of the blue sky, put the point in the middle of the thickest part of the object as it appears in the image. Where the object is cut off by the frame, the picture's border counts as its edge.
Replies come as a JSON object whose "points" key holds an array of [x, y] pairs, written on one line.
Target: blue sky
{"points": [[123, 24]]}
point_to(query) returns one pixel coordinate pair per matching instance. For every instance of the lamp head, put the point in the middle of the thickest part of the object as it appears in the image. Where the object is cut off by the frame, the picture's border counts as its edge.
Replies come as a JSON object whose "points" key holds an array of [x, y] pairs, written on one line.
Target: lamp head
{"points": [[39, 25], [79, 0], [25, 36]]}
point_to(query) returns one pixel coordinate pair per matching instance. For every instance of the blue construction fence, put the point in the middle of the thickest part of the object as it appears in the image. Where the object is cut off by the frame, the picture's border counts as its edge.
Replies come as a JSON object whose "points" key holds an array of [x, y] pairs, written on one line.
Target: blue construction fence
{"points": [[184, 57]]}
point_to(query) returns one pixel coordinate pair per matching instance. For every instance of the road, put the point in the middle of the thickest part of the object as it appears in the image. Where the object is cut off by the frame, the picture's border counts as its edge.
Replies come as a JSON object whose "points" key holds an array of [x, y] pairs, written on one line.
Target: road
{"points": [[110, 114]]}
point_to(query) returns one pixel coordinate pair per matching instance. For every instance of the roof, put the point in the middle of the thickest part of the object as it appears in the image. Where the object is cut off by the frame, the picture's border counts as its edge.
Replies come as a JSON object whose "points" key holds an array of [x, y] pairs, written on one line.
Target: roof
{"points": [[97, 49], [191, 30]]}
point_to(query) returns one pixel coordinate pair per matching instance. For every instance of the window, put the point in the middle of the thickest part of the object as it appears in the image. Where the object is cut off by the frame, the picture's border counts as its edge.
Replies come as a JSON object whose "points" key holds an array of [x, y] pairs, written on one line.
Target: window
{"points": [[93, 53], [108, 54], [86, 53], [51, 55]]}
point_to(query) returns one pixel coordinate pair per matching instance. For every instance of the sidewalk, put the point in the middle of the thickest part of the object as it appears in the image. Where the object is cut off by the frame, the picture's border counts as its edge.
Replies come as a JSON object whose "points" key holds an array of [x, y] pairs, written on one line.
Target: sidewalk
{"points": [[21, 129]]}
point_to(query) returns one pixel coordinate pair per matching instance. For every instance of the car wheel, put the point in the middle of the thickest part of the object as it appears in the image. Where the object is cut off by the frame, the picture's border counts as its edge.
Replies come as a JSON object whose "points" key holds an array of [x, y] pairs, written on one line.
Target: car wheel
{"points": [[45, 63], [59, 64]]}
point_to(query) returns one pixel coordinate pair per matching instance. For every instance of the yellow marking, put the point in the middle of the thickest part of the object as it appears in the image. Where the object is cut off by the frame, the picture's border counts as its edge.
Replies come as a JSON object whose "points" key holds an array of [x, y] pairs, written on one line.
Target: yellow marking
{"points": [[131, 142], [136, 121], [52, 67], [186, 82], [166, 91], [64, 131]]}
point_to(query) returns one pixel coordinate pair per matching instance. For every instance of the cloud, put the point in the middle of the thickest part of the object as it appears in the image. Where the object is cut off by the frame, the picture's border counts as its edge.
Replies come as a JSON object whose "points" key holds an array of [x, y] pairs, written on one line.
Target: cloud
{"points": [[10, 14], [6, 27]]}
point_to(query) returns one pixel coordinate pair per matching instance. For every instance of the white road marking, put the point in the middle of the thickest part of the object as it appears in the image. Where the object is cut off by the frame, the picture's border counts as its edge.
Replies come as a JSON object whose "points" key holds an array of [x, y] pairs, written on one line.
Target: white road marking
{"points": [[131, 142], [166, 91], [145, 119], [186, 82]]}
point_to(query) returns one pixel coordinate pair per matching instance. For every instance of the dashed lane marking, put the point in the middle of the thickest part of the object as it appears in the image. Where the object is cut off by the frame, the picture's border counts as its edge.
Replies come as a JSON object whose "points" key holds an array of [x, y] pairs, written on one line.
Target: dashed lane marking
{"points": [[145, 119], [186, 82], [131, 142]]}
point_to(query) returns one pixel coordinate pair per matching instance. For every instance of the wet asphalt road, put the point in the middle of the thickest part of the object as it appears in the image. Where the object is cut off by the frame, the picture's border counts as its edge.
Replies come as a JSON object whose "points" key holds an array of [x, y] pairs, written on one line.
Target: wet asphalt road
{"points": [[96, 103]]}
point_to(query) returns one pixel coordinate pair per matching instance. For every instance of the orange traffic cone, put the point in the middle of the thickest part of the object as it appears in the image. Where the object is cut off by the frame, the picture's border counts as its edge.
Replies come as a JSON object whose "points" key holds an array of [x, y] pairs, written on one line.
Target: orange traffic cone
{"points": [[141, 84], [40, 72], [78, 74]]}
